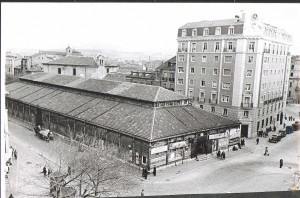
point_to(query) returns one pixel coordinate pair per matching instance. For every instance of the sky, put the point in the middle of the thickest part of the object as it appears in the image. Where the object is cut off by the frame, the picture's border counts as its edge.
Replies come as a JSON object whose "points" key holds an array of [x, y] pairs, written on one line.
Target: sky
{"points": [[129, 27]]}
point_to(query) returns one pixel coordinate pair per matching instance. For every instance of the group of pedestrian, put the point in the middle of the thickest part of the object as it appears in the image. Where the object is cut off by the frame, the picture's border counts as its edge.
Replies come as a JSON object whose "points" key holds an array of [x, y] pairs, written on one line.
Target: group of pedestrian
{"points": [[46, 171], [221, 155], [14, 153], [145, 172], [291, 118], [242, 142]]}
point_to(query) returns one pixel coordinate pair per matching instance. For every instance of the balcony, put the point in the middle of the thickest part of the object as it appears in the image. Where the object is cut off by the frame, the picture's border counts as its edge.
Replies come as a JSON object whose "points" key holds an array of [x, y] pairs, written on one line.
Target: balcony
{"points": [[247, 105], [229, 50], [164, 79], [267, 51], [213, 101], [270, 101], [200, 99], [182, 50]]}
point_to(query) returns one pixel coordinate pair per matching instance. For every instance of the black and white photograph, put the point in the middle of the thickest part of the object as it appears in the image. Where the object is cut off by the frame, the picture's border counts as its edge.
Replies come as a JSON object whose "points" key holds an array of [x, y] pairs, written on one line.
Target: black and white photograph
{"points": [[150, 99]]}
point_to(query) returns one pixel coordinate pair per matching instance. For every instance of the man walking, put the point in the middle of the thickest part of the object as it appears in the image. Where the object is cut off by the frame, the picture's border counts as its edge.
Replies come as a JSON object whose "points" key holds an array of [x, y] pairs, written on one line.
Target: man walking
{"points": [[45, 171], [142, 193], [257, 141], [154, 170], [281, 163]]}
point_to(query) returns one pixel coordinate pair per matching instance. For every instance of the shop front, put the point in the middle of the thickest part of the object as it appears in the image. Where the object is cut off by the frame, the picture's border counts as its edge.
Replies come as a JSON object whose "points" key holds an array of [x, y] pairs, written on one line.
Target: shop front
{"points": [[219, 141]]}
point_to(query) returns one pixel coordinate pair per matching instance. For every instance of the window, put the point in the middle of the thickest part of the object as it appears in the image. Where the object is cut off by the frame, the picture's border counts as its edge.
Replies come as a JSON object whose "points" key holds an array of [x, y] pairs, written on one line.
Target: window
{"points": [[213, 96], [204, 58], [180, 70], [265, 73], [180, 81], [227, 72], [251, 46], [59, 70], [228, 59], [225, 85], [248, 87], [202, 94], [201, 106], [250, 59], [183, 47], [218, 31], [246, 114], [183, 33], [214, 84], [258, 112], [202, 83], [225, 112], [205, 32], [215, 72], [164, 85], [191, 93], [192, 58], [225, 98], [74, 71], [216, 59], [204, 47], [144, 159], [213, 109], [181, 58], [191, 82], [203, 70], [179, 91], [193, 47], [249, 73], [231, 30], [192, 70], [217, 46], [194, 32], [230, 46]]}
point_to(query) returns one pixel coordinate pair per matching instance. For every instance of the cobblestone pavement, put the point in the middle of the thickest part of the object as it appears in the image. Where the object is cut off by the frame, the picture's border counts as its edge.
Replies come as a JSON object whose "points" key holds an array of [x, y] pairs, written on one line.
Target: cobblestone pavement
{"points": [[245, 170]]}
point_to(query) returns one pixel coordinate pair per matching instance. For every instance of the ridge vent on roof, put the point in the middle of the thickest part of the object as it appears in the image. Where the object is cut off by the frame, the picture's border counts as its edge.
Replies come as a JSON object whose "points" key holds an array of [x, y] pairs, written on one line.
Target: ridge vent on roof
{"points": [[121, 88]]}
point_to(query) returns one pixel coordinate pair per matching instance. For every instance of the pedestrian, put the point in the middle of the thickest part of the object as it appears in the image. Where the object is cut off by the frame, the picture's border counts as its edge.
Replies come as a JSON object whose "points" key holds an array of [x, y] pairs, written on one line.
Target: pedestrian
{"points": [[274, 128], [219, 153], [146, 173], [143, 172], [266, 151], [142, 193], [243, 142], [15, 154], [69, 170], [49, 171], [45, 171], [154, 170], [223, 155], [11, 196], [239, 145], [257, 141], [284, 125], [281, 163]]}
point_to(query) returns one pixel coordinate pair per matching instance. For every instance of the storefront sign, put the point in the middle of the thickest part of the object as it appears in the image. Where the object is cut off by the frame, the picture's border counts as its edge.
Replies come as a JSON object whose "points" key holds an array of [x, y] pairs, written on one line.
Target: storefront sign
{"points": [[235, 133], [216, 136], [177, 145], [159, 149]]}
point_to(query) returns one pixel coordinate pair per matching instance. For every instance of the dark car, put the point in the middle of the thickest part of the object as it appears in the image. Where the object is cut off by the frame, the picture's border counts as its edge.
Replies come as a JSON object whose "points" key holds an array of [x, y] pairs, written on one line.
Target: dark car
{"points": [[282, 133], [275, 138], [289, 129]]}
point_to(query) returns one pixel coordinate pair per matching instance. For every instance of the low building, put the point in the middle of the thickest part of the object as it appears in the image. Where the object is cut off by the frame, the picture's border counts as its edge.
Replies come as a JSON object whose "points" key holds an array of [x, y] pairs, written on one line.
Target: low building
{"points": [[111, 68], [12, 61], [77, 66], [294, 81], [147, 125]]}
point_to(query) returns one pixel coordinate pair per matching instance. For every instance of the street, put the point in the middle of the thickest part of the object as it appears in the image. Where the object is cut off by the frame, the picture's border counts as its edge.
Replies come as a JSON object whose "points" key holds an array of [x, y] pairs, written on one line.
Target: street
{"points": [[245, 170]]}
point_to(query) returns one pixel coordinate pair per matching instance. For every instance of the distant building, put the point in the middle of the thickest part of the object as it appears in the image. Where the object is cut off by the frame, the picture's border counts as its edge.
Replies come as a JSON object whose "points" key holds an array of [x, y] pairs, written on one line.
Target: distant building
{"points": [[11, 62], [111, 68], [294, 80], [77, 66], [237, 68], [143, 77]]}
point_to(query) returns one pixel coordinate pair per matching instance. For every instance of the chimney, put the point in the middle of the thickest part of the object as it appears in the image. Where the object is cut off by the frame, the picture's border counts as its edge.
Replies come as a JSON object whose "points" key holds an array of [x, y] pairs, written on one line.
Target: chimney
{"points": [[242, 15], [236, 18]]}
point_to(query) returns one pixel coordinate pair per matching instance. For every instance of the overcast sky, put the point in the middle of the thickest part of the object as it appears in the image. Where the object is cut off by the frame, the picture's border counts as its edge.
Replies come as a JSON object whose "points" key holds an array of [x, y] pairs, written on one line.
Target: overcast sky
{"points": [[143, 27]]}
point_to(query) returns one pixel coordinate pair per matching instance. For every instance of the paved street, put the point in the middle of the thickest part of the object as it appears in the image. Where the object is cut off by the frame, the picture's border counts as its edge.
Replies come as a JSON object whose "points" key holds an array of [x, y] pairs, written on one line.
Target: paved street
{"points": [[246, 170]]}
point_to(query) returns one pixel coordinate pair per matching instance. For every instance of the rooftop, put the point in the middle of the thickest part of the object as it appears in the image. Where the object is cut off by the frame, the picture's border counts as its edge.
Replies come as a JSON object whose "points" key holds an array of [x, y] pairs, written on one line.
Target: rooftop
{"points": [[134, 91], [147, 123], [214, 23], [167, 66], [74, 61]]}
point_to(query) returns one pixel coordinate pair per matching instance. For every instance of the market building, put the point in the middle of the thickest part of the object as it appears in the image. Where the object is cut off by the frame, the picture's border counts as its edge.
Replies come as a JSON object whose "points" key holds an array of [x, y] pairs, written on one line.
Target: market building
{"points": [[148, 125], [236, 68]]}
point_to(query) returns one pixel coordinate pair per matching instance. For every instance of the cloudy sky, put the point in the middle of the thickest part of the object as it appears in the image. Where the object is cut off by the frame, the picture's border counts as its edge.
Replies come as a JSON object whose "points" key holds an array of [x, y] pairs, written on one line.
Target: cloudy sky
{"points": [[143, 27]]}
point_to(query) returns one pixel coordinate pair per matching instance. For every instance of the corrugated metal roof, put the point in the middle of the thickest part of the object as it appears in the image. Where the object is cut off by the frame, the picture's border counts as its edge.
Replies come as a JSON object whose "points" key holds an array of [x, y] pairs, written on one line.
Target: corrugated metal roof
{"points": [[124, 89], [143, 122]]}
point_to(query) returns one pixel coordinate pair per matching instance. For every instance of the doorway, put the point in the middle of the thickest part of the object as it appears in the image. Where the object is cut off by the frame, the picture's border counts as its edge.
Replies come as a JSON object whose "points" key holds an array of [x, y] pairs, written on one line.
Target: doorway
{"points": [[244, 131]]}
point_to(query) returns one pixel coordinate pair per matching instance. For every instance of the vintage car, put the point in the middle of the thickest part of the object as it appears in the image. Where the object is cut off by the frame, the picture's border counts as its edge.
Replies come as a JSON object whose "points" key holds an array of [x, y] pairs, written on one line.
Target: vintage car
{"points": [[282, 133], [275, 138], [289, 129]]}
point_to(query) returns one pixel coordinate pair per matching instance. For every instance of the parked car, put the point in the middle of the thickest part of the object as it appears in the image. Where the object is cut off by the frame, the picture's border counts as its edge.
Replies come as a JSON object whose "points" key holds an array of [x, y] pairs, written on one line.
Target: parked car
{"points": [[282, 133], [289, 129], [275, 138]]}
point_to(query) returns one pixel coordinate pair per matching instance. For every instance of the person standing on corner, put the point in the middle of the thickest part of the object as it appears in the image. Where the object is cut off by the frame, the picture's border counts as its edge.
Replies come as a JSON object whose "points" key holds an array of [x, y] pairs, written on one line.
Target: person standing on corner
{"points": [[280, 163], [257, 141], [142, 193]]}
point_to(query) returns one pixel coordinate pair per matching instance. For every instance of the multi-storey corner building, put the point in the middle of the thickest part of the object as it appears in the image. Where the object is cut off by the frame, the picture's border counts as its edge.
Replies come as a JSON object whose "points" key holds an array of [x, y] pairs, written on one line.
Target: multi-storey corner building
{"points": [[237, 68], [294, 80]]}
